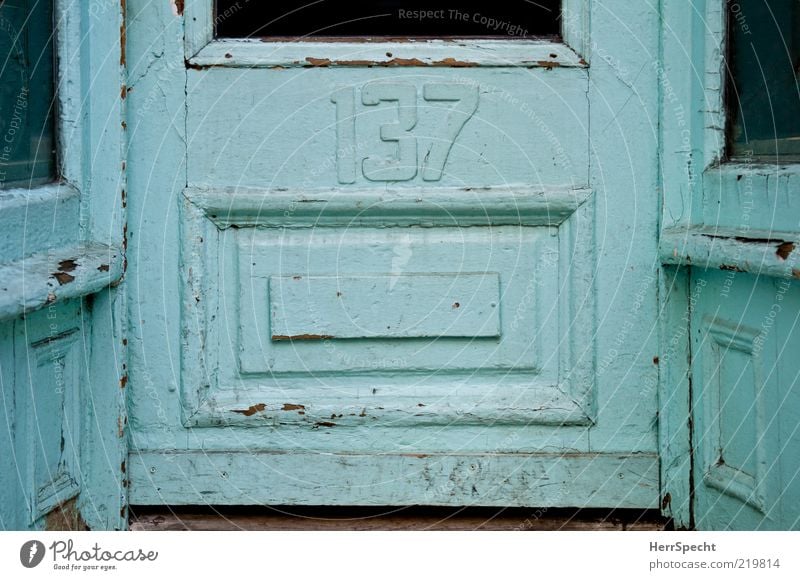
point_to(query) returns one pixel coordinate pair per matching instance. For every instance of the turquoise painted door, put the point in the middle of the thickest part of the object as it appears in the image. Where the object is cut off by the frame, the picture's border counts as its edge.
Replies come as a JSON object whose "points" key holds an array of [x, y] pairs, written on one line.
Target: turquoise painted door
{"points": [[732, 227], [390, 273]]}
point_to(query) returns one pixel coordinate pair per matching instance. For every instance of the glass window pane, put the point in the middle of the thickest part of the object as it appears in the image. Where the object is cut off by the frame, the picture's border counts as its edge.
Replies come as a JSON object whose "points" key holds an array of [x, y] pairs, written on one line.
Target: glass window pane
{"points": [[27, 141], [393, 18], [764, 104]]}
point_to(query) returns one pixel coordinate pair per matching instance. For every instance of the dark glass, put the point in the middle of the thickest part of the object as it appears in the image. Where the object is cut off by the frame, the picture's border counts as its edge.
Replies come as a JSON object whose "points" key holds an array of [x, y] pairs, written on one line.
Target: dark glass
{"points": [[27, 89], [764, 67], [338, 18]]}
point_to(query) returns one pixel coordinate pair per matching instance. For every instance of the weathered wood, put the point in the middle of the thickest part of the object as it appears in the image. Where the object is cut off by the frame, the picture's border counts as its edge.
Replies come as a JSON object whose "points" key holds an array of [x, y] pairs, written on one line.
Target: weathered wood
{"points": [[555, 480], [393, 519], [330, 166]]}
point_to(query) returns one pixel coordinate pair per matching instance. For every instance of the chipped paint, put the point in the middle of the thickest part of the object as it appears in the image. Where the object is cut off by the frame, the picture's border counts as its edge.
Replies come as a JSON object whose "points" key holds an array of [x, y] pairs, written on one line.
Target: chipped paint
{"points": [[250, 411], [784, 250]]}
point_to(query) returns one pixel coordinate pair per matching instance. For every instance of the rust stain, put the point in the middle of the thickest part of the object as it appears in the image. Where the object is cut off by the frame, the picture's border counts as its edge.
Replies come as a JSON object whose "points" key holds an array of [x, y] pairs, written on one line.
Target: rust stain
{"points": [[283, 337], [293, 407], [67, 265], [179, 7], [249, 412], [666, 501], [548, 64], [123, 381], [63, 278], [784, 250], [123, 92]]}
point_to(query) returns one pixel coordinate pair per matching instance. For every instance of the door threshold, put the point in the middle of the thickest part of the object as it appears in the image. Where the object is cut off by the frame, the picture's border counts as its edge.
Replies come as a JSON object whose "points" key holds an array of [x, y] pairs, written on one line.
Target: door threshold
{"points": [[415, 518]]}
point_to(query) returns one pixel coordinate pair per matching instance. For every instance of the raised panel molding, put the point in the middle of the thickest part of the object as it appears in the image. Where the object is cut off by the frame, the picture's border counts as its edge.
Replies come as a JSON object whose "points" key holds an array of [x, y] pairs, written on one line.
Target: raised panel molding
{"points": [[49, 427], [742, 480], [248, 361]]}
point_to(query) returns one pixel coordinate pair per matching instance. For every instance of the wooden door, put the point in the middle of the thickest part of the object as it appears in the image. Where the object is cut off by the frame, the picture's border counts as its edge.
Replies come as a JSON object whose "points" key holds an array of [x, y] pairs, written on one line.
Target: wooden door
{"points": [[393, 272], [731, 227]]}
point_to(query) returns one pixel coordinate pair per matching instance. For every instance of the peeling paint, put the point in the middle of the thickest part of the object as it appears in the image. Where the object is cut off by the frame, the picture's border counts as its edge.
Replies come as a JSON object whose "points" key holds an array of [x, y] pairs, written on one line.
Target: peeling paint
{"points": [[67, 265], [122, 33], [293, 407], [784, 250], [63, 278], [249, 412], [548, 64], [730, 268]]}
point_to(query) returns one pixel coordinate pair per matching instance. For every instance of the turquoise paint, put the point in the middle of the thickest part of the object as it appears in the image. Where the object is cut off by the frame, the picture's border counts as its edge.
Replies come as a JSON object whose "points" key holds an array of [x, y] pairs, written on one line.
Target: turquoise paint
{"points": [[732, 308], [244, 216], [62, 355], [255, 197]]}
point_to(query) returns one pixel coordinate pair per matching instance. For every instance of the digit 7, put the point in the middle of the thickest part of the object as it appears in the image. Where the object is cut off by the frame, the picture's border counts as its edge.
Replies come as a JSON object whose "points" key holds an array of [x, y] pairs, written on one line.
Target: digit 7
{"points": [[466, 98]]}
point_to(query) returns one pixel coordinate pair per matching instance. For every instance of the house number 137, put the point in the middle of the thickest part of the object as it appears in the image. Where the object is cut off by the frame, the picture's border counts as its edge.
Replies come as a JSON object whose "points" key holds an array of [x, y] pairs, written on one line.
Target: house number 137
{"points": [[404, 165]]}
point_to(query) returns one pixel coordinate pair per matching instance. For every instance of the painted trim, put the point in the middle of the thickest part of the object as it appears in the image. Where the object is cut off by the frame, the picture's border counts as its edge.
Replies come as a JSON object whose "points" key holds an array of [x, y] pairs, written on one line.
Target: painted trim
{"points": [[568, 399], [423, 53], [489, 206], [45, 278], [541, 479], [710, 248]]}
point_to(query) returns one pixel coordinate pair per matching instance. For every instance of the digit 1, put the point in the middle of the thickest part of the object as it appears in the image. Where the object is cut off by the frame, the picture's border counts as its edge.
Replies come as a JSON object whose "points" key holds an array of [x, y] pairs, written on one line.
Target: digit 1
{"points": [[345, 100]]}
